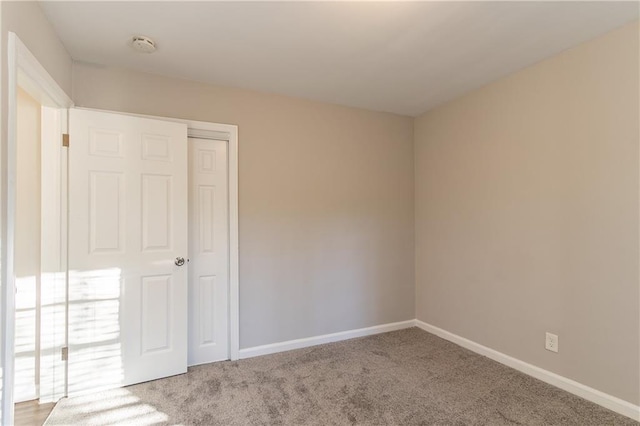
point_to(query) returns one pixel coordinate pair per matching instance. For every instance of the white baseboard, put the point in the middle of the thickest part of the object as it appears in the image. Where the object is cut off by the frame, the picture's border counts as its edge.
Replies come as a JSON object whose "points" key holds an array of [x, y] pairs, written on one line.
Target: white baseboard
{"points": [[325, 338], [590, 394], [608, 401]]}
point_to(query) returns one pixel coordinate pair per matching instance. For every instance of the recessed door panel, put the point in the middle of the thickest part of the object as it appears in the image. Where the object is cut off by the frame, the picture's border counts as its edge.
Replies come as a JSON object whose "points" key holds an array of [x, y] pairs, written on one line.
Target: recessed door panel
{"points": [[206, 200], [156, 212], [105, 143], [206, 160], [106, 211], [156, 313], [207, 309], [156, 147]]}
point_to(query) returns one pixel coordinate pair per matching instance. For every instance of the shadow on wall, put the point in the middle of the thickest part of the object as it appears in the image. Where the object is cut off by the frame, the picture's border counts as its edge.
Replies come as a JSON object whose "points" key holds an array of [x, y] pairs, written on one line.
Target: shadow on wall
{"points": [[25, 339], [39, 369]]}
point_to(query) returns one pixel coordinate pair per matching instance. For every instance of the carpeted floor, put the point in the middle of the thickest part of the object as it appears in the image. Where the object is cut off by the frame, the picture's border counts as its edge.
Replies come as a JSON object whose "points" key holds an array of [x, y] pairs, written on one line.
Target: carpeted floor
{"points": [[406, 377]]}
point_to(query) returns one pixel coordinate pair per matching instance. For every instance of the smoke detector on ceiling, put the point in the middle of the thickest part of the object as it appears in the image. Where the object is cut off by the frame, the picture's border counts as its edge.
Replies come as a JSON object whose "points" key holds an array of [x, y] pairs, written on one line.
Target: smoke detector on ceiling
{"points": [[143, 44]]}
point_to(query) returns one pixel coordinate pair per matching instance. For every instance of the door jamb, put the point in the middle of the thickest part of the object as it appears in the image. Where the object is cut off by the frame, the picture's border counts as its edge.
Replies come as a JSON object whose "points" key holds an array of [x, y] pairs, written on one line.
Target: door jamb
{"points": [[26, 72]]}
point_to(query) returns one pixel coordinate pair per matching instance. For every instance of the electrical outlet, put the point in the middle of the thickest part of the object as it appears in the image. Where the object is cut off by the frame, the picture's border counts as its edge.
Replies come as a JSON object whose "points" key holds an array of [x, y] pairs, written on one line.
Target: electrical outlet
{"points": [[551, 342]]}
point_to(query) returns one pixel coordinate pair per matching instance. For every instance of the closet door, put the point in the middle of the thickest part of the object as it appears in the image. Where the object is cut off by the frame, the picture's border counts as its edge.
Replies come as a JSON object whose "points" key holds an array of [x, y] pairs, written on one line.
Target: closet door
{"points": [[208, 251]]}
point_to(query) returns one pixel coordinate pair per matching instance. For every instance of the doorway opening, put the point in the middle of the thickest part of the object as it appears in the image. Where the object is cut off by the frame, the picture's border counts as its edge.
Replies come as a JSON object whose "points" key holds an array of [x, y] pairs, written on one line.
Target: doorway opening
{"points": [[27, 250], [34, 240], [27, 265], [40, 289]]}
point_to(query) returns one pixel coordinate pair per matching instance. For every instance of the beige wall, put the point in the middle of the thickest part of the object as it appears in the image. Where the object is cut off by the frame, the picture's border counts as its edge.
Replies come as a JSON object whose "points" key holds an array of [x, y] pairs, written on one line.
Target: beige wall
{"points": [[26, 19], [527, 214], [326, 201]]}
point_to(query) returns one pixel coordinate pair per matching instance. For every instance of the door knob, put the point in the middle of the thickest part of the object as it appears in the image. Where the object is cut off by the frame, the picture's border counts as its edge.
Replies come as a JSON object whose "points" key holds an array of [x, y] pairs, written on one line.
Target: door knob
{"points": [[179, 261]]}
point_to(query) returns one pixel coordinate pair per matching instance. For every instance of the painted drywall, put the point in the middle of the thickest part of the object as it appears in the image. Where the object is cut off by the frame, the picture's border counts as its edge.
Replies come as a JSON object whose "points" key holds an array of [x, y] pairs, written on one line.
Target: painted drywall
{"points": [[527, 214], [26, 19], [27, 247], [325, 208]]}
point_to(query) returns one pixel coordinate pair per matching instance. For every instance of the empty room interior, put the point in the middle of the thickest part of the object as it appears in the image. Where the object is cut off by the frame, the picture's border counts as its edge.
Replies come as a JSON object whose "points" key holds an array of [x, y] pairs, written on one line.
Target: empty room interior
{"points": [[320, 213]]}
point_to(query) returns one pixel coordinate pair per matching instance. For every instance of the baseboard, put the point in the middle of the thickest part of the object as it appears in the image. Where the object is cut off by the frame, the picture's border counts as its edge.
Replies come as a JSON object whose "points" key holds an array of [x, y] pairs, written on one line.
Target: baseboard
{"points": [[325, 338], [590, 394], [608, 401]]}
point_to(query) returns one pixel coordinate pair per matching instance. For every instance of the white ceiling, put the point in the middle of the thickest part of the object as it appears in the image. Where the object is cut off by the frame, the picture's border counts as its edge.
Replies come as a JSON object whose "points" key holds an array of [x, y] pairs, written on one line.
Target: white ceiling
{"points": [[401, 57]]}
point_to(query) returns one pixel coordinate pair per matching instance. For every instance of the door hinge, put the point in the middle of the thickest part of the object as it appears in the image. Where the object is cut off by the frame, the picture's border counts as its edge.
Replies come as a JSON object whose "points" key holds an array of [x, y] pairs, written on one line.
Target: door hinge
{"points": [[65, 353], [65, 139]]}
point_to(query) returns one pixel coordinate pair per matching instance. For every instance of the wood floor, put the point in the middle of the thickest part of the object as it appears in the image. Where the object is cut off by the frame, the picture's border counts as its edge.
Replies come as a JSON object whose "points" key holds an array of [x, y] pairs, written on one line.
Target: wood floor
{"points": [[32, 413]]}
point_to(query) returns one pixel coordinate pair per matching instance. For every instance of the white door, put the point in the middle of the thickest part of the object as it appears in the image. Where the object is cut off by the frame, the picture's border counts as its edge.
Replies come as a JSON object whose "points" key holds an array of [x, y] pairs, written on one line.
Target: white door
{"points": [[127, 233], [208, 251]]}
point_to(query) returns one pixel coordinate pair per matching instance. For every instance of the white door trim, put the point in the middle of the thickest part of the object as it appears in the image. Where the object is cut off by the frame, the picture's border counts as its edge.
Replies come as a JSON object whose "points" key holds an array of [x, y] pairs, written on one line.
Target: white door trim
{"points": [[228, 132], [204, 130], [26, 72]]}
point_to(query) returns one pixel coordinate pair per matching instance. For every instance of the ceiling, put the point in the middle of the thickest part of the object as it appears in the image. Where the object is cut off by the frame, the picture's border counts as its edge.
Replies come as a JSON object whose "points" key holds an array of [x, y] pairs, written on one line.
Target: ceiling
{"points": [[401, 57]]}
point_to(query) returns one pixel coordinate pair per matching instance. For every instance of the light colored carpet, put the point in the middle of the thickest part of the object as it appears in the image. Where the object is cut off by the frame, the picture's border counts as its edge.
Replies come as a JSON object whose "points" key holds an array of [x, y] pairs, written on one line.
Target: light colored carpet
{"points": [[407, 377]]}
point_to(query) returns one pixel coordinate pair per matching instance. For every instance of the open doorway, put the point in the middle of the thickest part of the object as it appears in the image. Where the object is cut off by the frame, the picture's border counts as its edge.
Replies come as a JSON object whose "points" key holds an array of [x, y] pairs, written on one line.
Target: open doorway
{"points": [[34, 293], [27, 261], [40, 285]]}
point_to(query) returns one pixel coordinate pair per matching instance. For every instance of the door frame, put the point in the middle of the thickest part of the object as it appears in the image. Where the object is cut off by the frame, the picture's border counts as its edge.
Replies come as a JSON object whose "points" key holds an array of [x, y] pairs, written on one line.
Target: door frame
{"points": [[228, 133], [24, 71]]}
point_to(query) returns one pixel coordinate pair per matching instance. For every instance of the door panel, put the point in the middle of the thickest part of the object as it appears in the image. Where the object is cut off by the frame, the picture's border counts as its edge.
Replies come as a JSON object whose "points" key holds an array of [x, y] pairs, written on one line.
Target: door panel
{"points": [[106, 212], [128, 223], [156, 209], [155, 313], [208, 251]]}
